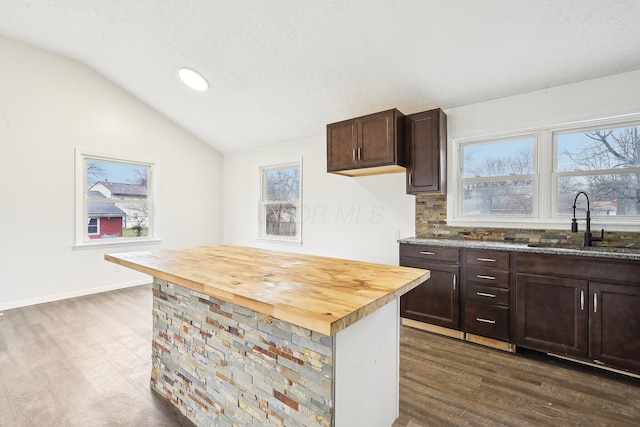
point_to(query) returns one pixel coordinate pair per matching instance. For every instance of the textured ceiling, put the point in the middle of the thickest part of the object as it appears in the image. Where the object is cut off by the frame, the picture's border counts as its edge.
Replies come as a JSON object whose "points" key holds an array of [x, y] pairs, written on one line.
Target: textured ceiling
{"points": [[282, 70]]}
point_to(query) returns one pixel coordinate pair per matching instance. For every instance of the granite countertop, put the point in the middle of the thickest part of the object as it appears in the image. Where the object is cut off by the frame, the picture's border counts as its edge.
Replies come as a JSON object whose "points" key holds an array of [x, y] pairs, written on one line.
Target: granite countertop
{"points": [[628, 253], [323, 294]]}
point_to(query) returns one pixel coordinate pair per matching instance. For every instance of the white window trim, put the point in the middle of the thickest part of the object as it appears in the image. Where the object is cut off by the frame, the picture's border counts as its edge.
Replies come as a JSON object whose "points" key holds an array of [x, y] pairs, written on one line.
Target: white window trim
{"points": [[545, 184], [260, 232], [80, 203]]}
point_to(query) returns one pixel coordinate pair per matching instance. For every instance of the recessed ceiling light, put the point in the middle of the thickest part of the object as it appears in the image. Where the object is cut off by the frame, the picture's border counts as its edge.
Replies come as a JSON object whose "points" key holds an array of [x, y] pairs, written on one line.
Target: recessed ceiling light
{"points": [[193, 79]]}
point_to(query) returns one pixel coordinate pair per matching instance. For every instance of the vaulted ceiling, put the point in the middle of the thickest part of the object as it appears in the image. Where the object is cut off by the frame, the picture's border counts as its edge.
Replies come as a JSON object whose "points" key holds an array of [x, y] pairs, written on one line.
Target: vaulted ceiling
{"points": [[281, 70]]}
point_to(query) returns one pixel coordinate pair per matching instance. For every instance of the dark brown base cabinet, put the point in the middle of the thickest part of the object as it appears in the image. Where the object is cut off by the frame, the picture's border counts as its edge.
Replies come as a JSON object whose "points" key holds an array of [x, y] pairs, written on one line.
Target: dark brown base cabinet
{"points": [[436, 301], [587, 308], [551, 314], [581, 307], [487, 296], [614, 325]]}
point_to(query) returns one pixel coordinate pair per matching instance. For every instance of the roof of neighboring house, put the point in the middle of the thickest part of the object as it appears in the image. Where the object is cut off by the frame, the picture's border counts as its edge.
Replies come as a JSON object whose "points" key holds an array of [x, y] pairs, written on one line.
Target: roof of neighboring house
{"points": [[104, 210], [95, 195], [119, 188]]}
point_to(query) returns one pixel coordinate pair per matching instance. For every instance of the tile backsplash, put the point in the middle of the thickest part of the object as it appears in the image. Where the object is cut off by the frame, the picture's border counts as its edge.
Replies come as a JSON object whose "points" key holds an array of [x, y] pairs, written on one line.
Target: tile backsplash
{"points": [[431, 215]]}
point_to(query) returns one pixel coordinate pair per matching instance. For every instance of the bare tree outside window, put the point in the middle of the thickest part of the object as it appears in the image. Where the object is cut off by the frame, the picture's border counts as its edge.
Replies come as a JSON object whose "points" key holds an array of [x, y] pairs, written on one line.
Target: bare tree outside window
{"points": [[498, 178], [605, 163], [531, 177], [281, 202]]}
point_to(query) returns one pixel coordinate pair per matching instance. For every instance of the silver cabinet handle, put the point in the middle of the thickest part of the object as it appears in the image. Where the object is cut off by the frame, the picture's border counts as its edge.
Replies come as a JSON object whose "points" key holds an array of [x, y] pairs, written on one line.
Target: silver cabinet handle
{"points": [[481, 276], [410, 179], [484, 294], [595, 302], [427, 253], [480, 319], [454, 282], [359, 154], [581, 300], [353, 154], [485, 260]]}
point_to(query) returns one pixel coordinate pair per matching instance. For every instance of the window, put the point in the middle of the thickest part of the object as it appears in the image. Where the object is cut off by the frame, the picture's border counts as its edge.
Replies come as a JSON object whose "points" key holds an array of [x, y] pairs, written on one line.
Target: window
{"points": [[280, 202], [604, 163], [497, 177], [94, 227], [114, 200], [531, 179]]}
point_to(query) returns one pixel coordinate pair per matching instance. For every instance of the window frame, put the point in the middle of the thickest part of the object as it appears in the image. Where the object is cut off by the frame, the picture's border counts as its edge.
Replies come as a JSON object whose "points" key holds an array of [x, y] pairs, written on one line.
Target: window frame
{"points": [[546, 184], [261, 228], [82, 217], [533, 176]]}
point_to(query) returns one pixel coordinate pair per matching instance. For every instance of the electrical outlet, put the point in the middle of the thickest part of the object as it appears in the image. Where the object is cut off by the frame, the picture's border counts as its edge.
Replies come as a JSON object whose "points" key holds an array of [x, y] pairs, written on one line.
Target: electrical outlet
{"points": [[116, 268], [396, 233]]}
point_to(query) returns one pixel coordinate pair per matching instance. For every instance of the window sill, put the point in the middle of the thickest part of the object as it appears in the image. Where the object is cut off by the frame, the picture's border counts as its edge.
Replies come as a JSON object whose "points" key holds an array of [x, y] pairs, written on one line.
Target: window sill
{"points": [[609, 224], [115, 243], [293, 242]]}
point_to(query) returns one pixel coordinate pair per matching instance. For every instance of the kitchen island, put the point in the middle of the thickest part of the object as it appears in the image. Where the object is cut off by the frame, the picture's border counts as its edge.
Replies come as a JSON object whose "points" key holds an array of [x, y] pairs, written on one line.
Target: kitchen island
{"points": [[245, 336]]}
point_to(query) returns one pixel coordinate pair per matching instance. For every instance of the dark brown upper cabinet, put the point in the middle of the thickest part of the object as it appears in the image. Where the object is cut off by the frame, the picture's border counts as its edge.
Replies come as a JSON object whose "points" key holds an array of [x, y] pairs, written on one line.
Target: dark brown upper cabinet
{"points": [[426, 143], [367, 145]]}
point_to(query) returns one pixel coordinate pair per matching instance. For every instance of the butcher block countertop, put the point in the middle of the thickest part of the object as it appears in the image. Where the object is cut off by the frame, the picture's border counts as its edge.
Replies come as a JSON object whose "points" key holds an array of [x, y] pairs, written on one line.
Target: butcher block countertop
{"points": [[323, 294]]}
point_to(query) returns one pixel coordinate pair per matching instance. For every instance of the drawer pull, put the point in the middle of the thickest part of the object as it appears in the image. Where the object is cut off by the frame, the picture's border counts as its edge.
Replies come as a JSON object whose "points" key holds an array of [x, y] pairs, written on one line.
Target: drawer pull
{"points": [[427, 253], [485, 259], [484, 294], [480, 319], [482, 276]]}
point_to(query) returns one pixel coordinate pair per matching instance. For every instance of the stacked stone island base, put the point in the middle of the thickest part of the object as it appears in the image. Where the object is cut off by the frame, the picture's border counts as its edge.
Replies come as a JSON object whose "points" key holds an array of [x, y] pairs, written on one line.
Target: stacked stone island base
{"points": [[222, 363], [250, 337]]}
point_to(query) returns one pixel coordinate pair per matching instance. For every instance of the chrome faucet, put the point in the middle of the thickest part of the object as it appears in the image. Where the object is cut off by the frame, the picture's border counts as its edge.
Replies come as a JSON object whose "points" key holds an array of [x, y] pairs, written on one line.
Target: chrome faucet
{"points": [[588, 237]]}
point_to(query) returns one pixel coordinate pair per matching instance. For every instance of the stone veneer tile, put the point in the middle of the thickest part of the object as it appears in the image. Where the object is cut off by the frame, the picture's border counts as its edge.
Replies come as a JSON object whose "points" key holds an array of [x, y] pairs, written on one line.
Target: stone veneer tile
{"points": [[225, 365], [431, 222]]}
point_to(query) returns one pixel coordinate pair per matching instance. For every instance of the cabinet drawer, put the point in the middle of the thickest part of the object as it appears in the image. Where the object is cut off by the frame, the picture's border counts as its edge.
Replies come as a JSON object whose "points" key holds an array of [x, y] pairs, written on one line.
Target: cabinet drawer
{"points": [[488, 276], [430, 253], [491, 321], [493, 259], [487, 294]]}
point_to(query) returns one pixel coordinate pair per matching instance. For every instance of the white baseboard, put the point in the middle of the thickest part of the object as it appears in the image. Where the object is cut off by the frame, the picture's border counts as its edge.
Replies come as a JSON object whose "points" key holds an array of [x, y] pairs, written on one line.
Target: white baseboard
{"points": [[72, 294]]}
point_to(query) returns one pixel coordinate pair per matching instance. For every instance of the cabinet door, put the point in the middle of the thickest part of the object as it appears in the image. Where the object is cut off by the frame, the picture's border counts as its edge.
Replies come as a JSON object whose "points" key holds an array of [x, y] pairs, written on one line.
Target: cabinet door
{"points": [[377, 142], [551, 314], [426, 152], [615, 325], [342, 142], [436, 301]]}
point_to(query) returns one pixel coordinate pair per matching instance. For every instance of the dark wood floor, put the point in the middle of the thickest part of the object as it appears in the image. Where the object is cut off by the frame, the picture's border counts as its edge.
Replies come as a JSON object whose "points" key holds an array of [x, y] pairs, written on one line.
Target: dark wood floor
{"points": [[81, 362], [446, 382], [86, 362]]}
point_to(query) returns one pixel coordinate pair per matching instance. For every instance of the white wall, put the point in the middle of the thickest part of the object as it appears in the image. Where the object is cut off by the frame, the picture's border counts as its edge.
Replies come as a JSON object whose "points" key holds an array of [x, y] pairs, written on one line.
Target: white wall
{"points": [[378, 203], [353, 218], [590, 99], [611, 96], [49, 105]]}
